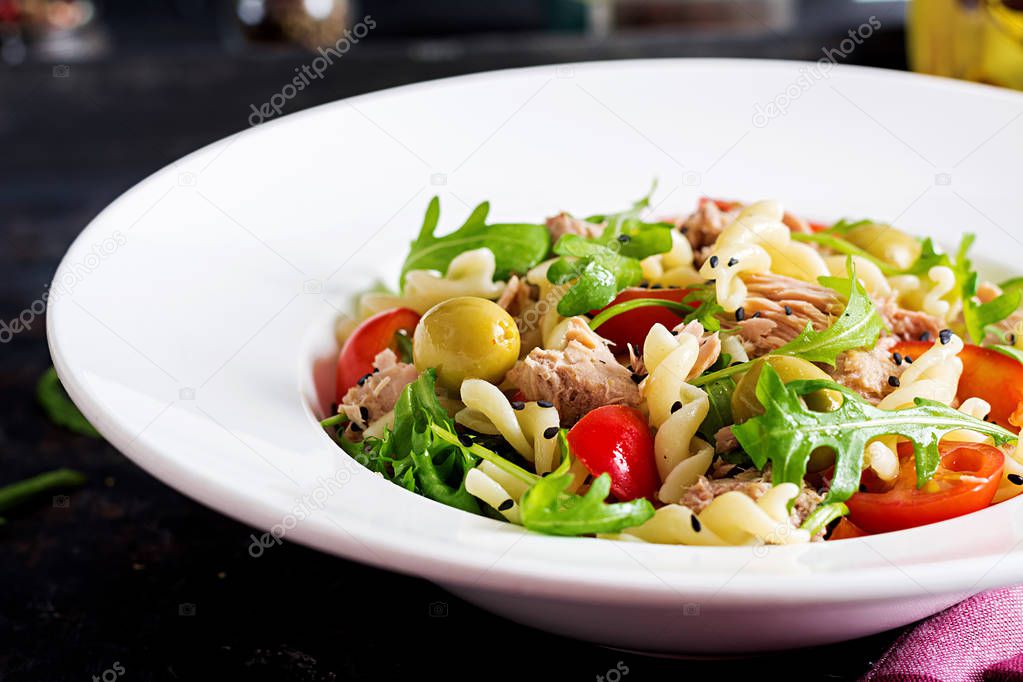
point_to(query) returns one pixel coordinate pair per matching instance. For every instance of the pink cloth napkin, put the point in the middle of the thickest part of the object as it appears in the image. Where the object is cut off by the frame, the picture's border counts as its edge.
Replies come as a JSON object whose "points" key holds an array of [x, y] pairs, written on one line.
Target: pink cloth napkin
{"points": [[978, 640]]}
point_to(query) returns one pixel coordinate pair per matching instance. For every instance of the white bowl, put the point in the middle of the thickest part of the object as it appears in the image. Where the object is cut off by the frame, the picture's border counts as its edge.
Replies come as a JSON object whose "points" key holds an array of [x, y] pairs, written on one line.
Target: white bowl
{"points": [[192, 320]]}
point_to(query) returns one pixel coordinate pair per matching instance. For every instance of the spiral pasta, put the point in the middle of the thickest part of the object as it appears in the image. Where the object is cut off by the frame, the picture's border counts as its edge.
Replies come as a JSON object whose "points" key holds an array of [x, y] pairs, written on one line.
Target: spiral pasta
{"points": [[496, 487], [867, 272], [470, 273], [528, 430], [673, 268], [757, 241], [916, 294], [733, 518], [934, 376], [676, 410]]}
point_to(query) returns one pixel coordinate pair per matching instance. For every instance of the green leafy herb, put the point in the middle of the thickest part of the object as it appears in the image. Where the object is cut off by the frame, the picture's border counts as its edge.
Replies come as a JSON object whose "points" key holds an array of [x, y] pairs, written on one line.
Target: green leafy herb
{"points": [[16, 493], [839, 245], [788, 431], [1011, 284], [824, 514], [858, 327], [601, 267], [720, 414], [705, 307], [547, 508], [59, 408], [412, 454], [844, 226], [598, 273], [979, 316], [929, 258], [516, 246]]}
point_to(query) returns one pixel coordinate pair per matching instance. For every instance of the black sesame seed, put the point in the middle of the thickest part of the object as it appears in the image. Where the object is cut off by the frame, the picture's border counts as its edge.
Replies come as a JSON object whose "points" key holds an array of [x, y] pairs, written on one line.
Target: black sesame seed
{"points": [[550, 432], [676, 406], [1015, 479], [757, 314], [518, 405], [897, 358], [655, 286], [945, 335], [544, 403], [362, 380], [894, 381], [732, 262], [788, 310], [683, 230], [506, 505], [364, 413], [908, 359], [1012, 339], [926, 336], [624, 238], [465, 440], [697, 526], [740, 314], [375, 370], [713, 261]]}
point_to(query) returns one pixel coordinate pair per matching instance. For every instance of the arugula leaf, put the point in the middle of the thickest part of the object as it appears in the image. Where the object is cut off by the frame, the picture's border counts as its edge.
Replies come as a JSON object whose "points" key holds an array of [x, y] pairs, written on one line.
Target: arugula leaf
{"points": [[547, 508], [516, 246], [412, 455], [979, 316], [598, 272], [859, 326], [824, 514], [844, 247], [603, 266], [720, 414], [929, 257], [788, 431], [58, 406], [1011, 284], [844, 225], [706, 307]]}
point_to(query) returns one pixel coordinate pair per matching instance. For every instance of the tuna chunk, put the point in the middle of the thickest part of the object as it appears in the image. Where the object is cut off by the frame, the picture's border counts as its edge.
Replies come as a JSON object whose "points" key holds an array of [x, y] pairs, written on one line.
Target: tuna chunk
{"points": [[710, 347], [703, 226], [563, 224], [579, 378], [908, 325], [725, 440], [867, 371], [777, 310], [754, 484], [378, 393]]}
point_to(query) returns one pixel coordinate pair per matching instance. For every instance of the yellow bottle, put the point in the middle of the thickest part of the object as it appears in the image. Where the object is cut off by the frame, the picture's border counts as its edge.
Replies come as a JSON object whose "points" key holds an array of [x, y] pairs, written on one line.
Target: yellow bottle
{"points": [[978, 40]]}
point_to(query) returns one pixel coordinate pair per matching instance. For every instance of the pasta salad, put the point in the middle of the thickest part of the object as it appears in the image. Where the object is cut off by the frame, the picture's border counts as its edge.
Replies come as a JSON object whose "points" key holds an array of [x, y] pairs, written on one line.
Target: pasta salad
{"points": [[734, 376]]}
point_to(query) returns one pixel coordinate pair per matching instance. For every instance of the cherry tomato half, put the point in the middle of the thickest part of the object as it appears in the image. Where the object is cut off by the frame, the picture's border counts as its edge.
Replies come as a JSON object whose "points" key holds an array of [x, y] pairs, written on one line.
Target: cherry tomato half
{"points": [[633, 326], [616, 440], [368, 339], [966, 481], [987, 374]]}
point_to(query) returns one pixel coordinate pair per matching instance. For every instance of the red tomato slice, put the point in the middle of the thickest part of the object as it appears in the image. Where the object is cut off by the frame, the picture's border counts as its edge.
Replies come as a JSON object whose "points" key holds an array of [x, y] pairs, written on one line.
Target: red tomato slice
{"points": [[616, 440], [987, 374], [845, 530], [368, 339], [632, 326], [906, 506]]}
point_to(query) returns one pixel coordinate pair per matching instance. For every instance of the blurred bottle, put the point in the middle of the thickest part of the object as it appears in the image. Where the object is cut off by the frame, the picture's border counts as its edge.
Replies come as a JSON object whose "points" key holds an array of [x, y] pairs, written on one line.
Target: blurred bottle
{"points": [[977, 40]]}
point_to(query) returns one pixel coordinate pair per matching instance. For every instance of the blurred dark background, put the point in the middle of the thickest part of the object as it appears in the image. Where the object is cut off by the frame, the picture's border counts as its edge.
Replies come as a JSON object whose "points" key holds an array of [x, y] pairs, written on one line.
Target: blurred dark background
{"points": [[127, 578]]}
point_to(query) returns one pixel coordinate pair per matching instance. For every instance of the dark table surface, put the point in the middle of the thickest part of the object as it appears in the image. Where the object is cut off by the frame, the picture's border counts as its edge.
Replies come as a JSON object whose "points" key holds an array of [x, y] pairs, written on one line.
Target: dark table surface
{"points": [[133, 579]]}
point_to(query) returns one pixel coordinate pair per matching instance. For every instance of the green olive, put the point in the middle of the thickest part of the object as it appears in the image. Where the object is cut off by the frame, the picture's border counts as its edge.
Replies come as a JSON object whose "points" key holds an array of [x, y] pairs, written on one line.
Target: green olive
{"points": [[744, 400], [466, 338], [887, 243]]}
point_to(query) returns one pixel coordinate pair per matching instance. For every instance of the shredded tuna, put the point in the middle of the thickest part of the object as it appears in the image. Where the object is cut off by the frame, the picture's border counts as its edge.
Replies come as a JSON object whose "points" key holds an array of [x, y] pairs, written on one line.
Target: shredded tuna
{"points": [[754, 484], [777, 310], [563, 224], [517, 296], [867, 371], [725, 440], [908, 325], [703, 227], [710, 347], [795, 223], [580, 378], [379, 392]]}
